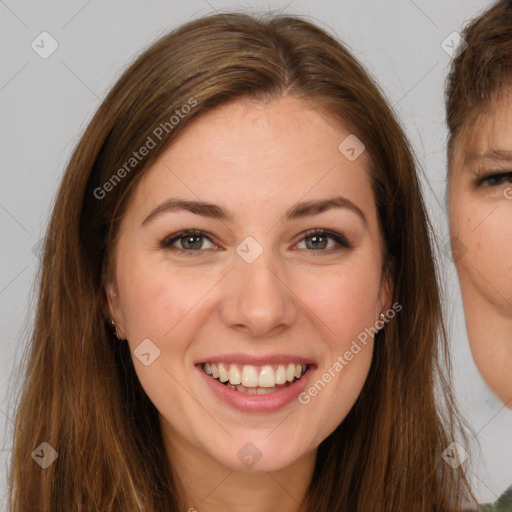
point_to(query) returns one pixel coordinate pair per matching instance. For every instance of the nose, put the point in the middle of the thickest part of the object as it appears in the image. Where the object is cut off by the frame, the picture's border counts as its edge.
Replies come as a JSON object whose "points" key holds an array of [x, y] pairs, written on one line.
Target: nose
{"points": [[257, 299]]}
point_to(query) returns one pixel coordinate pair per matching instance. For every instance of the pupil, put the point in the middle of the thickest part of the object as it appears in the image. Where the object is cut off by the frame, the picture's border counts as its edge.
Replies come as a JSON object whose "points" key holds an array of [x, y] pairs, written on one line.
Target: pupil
{"points": [[317, 243], [194, 246]]}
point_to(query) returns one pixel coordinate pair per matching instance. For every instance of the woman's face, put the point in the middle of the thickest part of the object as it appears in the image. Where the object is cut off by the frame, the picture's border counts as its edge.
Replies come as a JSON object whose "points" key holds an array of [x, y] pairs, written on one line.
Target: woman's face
{"points": [[250, 290], [480, 199]]}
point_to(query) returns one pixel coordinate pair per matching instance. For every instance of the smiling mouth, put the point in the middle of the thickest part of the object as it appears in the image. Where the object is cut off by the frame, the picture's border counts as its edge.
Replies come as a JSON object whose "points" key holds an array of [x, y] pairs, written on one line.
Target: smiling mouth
{"points": [[255, 380]]}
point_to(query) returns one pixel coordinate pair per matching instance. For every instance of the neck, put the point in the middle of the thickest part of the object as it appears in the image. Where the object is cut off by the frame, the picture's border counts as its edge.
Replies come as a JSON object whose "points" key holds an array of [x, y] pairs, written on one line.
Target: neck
{"points": [[207, 486]]}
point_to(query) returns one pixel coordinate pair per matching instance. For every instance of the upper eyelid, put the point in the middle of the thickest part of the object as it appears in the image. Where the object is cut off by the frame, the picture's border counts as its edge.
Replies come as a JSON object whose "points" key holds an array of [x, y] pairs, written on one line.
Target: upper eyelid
{"points": [[483, 176]]}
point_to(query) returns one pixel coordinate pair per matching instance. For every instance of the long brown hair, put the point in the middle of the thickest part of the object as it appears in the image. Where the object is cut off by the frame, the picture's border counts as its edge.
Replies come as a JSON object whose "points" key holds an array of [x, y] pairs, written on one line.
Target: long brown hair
{"points": [[80, 392]]}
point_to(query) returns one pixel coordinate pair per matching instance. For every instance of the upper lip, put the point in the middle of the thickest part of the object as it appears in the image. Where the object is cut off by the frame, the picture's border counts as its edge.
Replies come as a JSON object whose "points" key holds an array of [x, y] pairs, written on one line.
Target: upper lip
{"points": [[257, 360]]}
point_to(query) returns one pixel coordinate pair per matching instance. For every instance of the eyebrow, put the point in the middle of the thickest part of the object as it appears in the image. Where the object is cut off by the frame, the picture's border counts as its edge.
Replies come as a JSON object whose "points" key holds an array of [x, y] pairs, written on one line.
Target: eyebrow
{"points": [[499, 155], [214, 211]]}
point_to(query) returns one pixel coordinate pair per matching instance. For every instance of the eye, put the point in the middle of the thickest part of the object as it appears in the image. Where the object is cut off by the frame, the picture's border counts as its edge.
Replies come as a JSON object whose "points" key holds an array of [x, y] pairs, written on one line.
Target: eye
{"points": [[190, 240], [496, 179], [320, 240]]}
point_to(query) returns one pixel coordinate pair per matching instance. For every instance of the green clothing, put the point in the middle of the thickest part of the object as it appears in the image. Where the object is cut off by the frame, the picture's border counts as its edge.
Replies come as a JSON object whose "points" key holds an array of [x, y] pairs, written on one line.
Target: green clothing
{"points": [[504, 503]]}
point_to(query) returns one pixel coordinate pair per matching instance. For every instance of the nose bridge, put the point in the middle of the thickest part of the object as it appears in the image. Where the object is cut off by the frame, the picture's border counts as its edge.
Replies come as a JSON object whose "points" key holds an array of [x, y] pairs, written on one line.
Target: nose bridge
{"points": [[257, 297]]}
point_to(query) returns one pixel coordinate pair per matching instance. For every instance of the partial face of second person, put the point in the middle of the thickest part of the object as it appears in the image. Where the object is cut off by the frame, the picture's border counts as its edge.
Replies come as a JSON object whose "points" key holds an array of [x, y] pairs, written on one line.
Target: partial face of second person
{"points": [[480, 198], [305, 297]]}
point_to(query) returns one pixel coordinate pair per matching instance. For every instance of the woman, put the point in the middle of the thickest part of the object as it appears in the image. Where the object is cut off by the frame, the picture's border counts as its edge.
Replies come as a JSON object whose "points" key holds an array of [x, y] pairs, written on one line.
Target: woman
{"points": [[229, 315], [479, 115]]}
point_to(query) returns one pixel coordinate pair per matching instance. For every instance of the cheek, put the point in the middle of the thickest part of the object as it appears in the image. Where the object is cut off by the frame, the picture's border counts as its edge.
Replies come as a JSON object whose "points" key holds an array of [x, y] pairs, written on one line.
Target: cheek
{"points": [[485, 257], [155, 297], [345, 300], [492, 244], [344, 306], [344, 314]]}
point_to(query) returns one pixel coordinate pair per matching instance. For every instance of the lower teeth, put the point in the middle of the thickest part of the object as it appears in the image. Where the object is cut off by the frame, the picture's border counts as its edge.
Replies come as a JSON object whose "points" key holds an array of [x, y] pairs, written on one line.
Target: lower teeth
{"points": [[256, 390]]}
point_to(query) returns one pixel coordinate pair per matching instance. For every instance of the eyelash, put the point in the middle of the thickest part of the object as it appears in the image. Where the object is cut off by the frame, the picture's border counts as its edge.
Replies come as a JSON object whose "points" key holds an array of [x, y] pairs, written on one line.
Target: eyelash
{"points": [[501, 177], [167, 242]]}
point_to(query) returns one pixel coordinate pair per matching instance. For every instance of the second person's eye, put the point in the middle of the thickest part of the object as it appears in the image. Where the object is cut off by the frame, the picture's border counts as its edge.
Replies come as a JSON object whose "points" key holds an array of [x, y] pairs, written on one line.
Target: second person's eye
{"points": [[496, 179]]}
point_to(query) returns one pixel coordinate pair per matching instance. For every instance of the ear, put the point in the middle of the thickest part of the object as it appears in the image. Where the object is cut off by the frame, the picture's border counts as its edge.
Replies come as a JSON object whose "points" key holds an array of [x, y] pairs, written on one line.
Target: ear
{"points": [[113, 310]]}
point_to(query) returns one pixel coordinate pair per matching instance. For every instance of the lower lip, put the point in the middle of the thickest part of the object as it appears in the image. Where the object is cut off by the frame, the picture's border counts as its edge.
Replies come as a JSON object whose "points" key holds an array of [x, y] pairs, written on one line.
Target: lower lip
{"points": [[257, 403]]}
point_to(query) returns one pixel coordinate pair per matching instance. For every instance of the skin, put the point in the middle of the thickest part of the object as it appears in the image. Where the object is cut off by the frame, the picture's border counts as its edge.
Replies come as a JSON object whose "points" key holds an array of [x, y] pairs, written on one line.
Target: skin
{"points": [[480, 212], [256, 160]]}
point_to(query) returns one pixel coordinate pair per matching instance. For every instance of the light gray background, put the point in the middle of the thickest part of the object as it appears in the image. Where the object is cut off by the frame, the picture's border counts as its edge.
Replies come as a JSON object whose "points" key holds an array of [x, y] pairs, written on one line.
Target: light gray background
{"points": [[46, 103]]}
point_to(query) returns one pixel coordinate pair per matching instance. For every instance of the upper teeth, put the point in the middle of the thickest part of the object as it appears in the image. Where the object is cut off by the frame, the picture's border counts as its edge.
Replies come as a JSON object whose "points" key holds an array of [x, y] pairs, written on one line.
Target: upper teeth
{"points": [[255, 376]]}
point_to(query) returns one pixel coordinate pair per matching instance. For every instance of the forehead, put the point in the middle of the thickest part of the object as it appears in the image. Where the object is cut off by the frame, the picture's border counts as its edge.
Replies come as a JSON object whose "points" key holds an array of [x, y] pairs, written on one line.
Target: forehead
{"points": [[240, 127], [488, 130], [272, 149]]}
